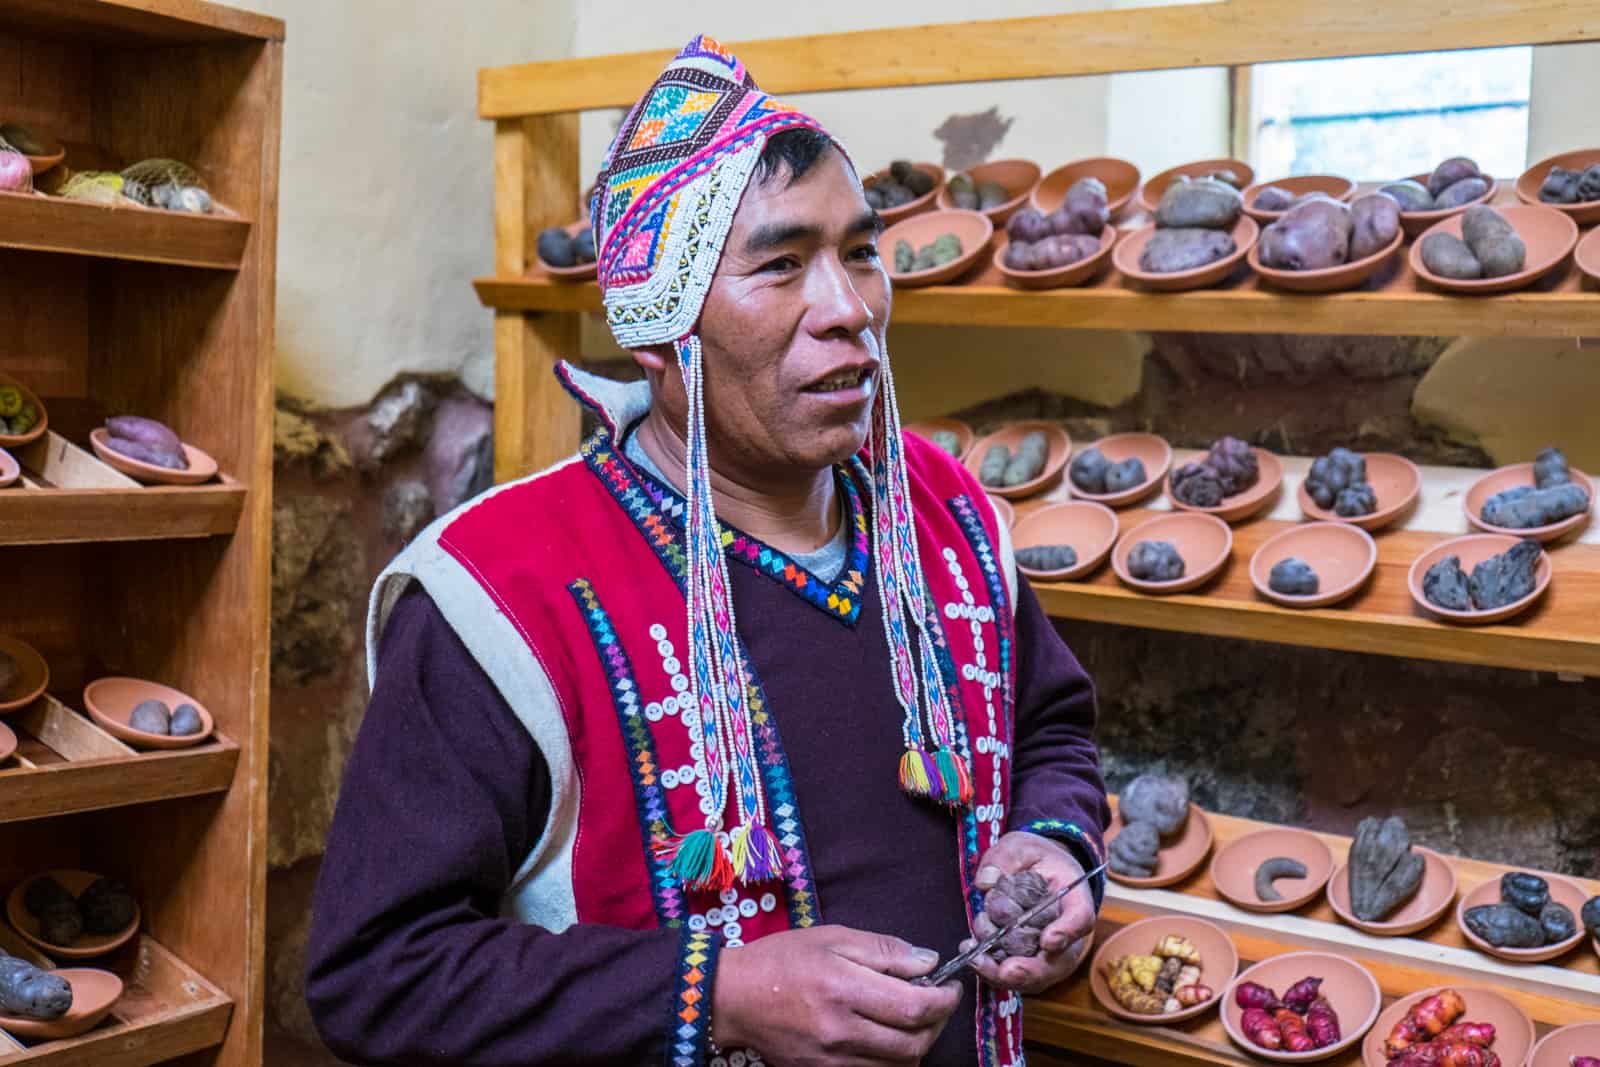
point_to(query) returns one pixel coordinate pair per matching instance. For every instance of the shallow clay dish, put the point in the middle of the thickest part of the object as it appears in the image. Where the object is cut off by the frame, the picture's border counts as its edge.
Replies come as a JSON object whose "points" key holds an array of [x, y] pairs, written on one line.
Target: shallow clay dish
{"points": [[1178, 858], [1233, 868], [1003, 508], [1204, 542], [1350, 988], [1327, 279], [1561, 891], [1396, 483], [1341, 189], [926, 428], [1586, 213], [578, 272], [1473, 549], [1549, 235], [8, 742], [1011, 435], [1219, 960], [54, 152], [111, 700], [93, 994], [1559, 1046], [33, 674], [10, 469], [1018, 176], [1058, 277], [13, 440], [1091, 530], [1432, 899], [89, 945], [892, 215], [1342, 555], [1155, 188], [1150, 449], [1587, 255], [1513, 1030], [1510, 477], [1131, 246], [202, 468], [1241, 505], [1120, 178], [1414, 223], [971, 228]]}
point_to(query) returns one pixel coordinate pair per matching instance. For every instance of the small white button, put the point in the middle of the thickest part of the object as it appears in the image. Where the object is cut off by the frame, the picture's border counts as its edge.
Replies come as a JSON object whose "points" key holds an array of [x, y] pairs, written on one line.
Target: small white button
{"points": [[679, 683], [731, 927], [734, 943], [652, 712], [748, 908], [738, 1059], [657, 632], [686, 773], [730, 913], [728, 896], [669, 778], [664, 647], [768, 902], [671, 664], [697, 922], [714, 916]]}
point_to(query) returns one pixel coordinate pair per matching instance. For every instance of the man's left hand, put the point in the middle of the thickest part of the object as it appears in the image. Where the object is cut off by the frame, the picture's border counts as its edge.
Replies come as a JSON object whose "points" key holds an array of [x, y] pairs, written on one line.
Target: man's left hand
{"points": [[1059, 950]]}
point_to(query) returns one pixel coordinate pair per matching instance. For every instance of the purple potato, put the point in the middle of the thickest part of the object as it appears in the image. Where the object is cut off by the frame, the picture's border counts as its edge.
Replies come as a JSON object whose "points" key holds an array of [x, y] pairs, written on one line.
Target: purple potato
{"points": [[1155, 561], [1088, 470], [145, 431], [555, 247], [1021, 255], [1462, 192], [1162, 800], [1135, 851], [1047, 557], [1171, 251], [1524, 507], [1449, 257], [1129, 474], [1207, 204], [1550, 468], [1410, 195], [1451, 171], [1273, 198], [29, 993], [1312, 235], [152, 717], [1197, 485], [147, 454], [1028, 225], [1293, 577], [1445, 585], [1355, 500], [1064, 249], [186, 721], [1560, 186], [1086, 207], [1494, 241], [1589, 184], [1375, 220]]}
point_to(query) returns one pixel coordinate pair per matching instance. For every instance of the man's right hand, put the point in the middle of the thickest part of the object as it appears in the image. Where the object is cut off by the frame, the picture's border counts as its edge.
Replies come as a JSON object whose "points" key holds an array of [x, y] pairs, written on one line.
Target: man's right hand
{"points": [[829, 996]]}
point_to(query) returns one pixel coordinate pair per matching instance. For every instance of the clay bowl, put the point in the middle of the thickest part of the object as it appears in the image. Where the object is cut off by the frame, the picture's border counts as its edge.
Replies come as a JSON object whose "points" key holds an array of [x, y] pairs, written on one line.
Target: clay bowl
{"points": [[14, 440], [1219, 961], [54, 152], [33, 674], [1560, 1045], [579, 272], [1432, 899], [1587, 255], [1510, 477], [1150, 449], [1126, 257], [1340, 189], [1396, 483], [1562, 891], [1350, 988], [1058, 277], [1549, 235], [1003, 508], [1342, 555], [926, 428], [93, 994], [1120, 178], [1091, 530], [1513, 1029], [971, 228], [1414, 223], [1586, 213], [111, 700], [1204, 542], [1233, 868], [1017, 176], [202, 468], [1473, 549], [1178, 858], [1241, 505], [1150, 195], [10, 469], [1011, 435], [925, 202], [8, 742], [89, 945], [1326, 279]]}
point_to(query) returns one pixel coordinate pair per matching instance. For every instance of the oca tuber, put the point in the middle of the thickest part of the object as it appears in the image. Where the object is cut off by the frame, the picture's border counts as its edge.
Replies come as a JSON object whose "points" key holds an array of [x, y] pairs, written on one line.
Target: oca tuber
{"points": [[1261, 1028], [1322, 1022], [1292, 1028], [1302, 993], [1254, 995], [1425, 1021]]}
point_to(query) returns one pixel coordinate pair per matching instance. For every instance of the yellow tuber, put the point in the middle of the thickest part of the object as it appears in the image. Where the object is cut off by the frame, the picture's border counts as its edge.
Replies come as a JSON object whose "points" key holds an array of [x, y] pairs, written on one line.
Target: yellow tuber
{"points": [[1177, 947]]}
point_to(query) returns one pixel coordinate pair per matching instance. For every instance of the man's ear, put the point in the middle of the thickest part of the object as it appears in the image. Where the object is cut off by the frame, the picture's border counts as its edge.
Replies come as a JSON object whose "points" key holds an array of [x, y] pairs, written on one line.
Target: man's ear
{"points": [[652, 360]]}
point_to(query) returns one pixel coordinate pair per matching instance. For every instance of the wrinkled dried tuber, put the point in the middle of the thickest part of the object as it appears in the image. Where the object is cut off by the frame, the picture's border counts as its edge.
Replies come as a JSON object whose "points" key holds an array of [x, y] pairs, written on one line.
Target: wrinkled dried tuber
{"points": [[1550, 468], [26, 992], [1425, 1021], [1557, 922], [1134, 852], [1261, 1028], [1155, 561], [1171, 251], [1524, 891], [1254, 995], [1523, 507], [1047, 557], [995, 461], [1322, 1022], [1293, 577], [1445, 585], [107, 906], [1384, 871], [1162, 800], [1292, 1028], [1269, 871], [1505, 926], [1507, 577], [1128, 474], [1088, 470]]}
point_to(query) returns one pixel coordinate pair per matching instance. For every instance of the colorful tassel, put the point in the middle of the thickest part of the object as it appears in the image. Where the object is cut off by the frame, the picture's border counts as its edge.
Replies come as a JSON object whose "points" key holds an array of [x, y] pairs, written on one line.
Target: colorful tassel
{"points": [[955, 779], [756, 857], [914, 777], [701, 862]]}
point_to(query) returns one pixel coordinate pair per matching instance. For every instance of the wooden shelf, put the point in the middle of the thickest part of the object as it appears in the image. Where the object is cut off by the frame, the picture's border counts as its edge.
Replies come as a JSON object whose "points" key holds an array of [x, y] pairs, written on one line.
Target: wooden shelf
{"points": [[39, 223], [65, 763], [1554, 994], [137, 22]]}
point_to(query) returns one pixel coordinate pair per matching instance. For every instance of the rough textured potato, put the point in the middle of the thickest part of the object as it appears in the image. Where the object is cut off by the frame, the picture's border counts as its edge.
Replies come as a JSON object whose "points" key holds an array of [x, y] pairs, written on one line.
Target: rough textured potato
{"points": [[1312, 235], [29, 993], [1028, 225], [1064, 249], [1493, 240], [1086, 207], [1162, 800], [583, 245], [1374, 221], [993, 468], [1206, 203], [107, 907], [1445, 585], [1272, 198], [1021, 255], [1410, 195], [1170, 251], [1451, 171], [1155, 561], [62, 925], [1560, 186], [1088, 470], [1589, 184], [152, 717], [1135, 851], [555, 247], [1449, 257], [45, 894], [186, 721], [1126, 475], [1047, 557], [1462, 192], [1293, 577]]}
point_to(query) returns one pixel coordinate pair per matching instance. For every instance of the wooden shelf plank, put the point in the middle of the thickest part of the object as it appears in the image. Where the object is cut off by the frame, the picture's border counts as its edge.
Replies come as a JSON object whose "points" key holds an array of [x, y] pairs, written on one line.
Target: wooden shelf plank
{"points": [[138, 22], [42, 223]]}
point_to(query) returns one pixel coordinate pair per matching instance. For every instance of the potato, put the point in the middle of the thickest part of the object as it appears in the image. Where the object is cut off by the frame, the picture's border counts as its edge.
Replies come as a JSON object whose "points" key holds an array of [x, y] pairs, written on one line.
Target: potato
{"points": [[1410, 195], [1312, 235], [904, 257], [145, 431], [1170, 251], [991, 195], [1020, 255], [151, 716], [1205, 203], [62, 925], [1560, 186], [1449, 257], [963, 194], [1273, 198], [186, 721], [1086, 208], [1493, 240], [1029, 224], [1227, 177], [1448, 173], [1589, 184], [46, 894], [107, 906], [583, 245], [993, 468], [29, 993], [1064, 249], [1374, 222], [555, 247], [916, 181], [1462, 192]]}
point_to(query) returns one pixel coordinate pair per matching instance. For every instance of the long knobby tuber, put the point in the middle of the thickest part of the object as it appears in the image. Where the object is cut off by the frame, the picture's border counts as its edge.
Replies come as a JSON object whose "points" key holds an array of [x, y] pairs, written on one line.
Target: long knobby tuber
{"points": [[1301, 995], [1270, 871], [1507, 577], [1254, 995], [1426, 1020], [29, 993], [1481, 1034], [1177, 947], [1292, 1028], [1261, 1028], [1322, 1022], [1525, 507], [1047, 557], [1133, 983]]}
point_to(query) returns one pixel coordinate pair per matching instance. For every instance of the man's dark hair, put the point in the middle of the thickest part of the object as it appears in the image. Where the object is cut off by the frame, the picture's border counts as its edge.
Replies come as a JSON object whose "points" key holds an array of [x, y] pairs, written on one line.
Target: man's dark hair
{"points": [[790, 153]]}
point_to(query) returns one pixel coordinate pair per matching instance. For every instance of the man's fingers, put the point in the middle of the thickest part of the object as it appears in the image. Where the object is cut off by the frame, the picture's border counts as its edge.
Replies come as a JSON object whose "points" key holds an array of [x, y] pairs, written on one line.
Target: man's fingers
{"points": [[1075, 921], [899, 1005], [885, 954]]}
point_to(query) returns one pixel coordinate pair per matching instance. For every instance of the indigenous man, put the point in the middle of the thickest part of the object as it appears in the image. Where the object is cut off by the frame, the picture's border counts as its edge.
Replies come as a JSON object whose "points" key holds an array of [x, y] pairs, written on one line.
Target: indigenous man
{"points": [[696, 747]]}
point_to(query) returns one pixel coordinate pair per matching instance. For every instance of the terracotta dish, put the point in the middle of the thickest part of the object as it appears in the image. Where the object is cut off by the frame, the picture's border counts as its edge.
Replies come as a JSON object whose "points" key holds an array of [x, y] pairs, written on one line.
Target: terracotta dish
{"points": [[1017, 176], [922, 203], [1433, 898], [1219, 961], [202, 468], [1178, 858], [1150, 449], [1058, 277], [1091, 530], [33, 674], [1342, 555], [1586, 213], [1241, 505], [54, 153], [93, 994], [1473, 549], [1587, 255], [8, 742], [1396, 483], [578, 272], [1233, 868], [1150, 195], [1559, 1046], [1204, 542], [1120, 178], [1341, 189], [926, 428], [1003, 508], [89, 945], [1513, 1030], [1350, 988], [1327, 279], [1131, 246], [1414, 223], [10, 469], [1509, 477], [10, 440], [1549, 235], [972, 229], [111, 700], [1562, 891], [1011, 435]]}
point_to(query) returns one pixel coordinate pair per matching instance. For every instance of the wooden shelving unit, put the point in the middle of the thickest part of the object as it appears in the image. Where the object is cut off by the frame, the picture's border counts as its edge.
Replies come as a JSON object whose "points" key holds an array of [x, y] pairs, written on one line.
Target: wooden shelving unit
{"points": [[169, 316]]}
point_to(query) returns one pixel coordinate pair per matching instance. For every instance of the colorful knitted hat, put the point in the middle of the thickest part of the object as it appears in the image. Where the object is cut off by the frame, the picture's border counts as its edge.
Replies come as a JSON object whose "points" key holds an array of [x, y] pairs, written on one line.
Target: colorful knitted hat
{"points": [[662, 209]]}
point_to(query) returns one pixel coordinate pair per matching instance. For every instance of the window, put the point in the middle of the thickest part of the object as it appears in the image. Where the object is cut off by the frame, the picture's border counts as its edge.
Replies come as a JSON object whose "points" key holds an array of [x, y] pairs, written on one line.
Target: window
{"points": [[1379, 118]]}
